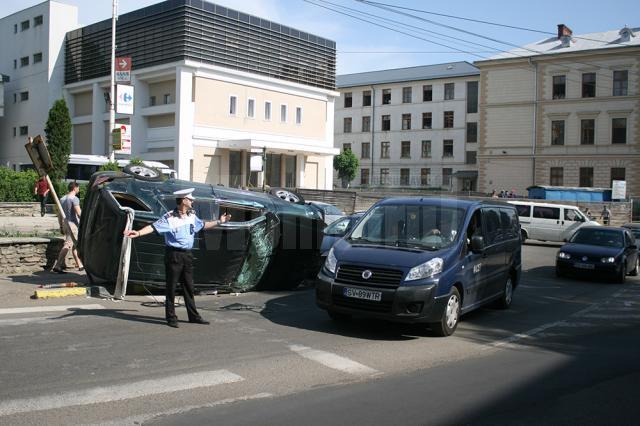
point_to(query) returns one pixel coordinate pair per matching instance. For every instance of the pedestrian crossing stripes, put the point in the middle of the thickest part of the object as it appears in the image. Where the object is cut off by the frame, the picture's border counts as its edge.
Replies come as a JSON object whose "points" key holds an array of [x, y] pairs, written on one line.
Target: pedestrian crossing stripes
{"points": [[333, 361]]}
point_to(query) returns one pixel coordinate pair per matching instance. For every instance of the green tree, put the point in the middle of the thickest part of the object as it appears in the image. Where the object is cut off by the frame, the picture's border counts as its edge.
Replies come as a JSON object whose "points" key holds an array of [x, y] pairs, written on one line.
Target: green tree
{"points": [[58, 132], [346, 164]]}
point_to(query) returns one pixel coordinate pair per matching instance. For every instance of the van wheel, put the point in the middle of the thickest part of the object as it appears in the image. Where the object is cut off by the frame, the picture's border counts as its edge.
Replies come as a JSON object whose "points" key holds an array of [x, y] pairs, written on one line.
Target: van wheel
{"points": [[507, 295], [450, 317], [523, 236], [635, 270], [142, 172], [339, 316]]}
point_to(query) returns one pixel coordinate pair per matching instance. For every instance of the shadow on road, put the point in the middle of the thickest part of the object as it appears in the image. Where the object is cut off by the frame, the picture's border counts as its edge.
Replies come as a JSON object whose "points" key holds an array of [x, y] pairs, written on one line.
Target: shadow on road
{"points": [[50, 277], [121, 314]]}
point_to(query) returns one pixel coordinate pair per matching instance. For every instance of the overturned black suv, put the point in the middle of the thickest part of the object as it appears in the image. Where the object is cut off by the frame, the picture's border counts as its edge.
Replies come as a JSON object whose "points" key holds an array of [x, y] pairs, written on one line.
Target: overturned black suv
{"points": [[270, 244]]}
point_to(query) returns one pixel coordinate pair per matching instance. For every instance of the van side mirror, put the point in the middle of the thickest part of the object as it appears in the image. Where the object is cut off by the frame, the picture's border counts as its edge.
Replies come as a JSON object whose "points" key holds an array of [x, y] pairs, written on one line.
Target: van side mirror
{"points": [[477, 244]]}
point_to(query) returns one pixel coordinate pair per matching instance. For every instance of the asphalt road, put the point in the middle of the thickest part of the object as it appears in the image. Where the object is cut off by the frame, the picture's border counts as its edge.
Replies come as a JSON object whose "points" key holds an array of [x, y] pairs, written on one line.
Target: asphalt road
{"points": [[565, 353]]}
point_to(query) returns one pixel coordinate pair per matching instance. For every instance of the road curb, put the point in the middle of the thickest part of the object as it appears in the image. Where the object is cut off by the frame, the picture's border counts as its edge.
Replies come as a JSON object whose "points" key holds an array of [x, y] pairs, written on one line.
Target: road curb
{"points": [[59, 292]]}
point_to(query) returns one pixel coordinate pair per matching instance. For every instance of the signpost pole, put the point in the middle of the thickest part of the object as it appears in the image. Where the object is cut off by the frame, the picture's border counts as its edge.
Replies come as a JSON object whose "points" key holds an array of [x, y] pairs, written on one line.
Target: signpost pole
{"points": [[112, 103]]}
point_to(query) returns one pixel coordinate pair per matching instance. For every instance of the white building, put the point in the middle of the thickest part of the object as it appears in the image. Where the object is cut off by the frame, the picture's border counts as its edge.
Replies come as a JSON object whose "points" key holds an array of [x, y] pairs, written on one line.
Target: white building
{"points": [[411, 127], [203, 105], [32, 55]]}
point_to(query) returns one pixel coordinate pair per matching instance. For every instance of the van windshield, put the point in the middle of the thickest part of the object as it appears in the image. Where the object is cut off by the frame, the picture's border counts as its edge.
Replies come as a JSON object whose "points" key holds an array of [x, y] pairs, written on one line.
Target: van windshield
{"points": [[429, 227]]}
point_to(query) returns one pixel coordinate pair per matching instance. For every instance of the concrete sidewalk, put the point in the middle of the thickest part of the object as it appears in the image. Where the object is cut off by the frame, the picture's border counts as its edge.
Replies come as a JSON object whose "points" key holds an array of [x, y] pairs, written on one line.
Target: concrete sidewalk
{"points": [[17, 290]]}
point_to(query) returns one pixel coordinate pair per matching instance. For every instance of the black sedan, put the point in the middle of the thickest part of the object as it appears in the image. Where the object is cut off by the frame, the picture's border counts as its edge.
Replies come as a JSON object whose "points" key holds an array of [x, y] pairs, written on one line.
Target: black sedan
{"points": [[596, 250]]}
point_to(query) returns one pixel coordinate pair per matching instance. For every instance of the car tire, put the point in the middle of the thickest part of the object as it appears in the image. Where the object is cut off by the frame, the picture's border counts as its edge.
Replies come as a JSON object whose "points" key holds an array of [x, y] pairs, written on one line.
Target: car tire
{"points": [[145, 173], [523, 236], [622, 274], [634, 271], [285, 194], [450, 317], [338, 316], [507, 295]]}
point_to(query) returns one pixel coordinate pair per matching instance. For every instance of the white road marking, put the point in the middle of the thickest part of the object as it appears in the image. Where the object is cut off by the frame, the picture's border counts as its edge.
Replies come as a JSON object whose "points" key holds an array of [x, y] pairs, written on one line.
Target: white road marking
{"points": [[333, 361], [612, 316], [101, 395], [31, 309], [523, 336]]}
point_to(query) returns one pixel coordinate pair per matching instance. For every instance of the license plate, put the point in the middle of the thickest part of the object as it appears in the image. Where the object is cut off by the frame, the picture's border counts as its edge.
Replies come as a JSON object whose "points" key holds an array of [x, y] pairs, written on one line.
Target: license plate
{"points": [[584, 265], [358, 293]]}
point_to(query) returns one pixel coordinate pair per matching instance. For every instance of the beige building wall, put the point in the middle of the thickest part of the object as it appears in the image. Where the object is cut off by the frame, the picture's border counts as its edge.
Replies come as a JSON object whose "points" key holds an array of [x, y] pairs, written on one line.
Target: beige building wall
{"points": [[210, 165], [159, 90], [163, 120], [83, 104], [82, 138], [212, 109]]}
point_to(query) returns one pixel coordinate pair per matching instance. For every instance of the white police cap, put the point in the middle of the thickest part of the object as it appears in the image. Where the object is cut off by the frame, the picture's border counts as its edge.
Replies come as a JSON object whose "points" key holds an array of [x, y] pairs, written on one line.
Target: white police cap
{"points": [[185, 193]]}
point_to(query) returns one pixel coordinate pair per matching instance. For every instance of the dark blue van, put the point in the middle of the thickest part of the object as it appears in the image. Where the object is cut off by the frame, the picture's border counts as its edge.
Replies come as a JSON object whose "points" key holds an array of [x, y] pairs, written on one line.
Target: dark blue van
{"points": [[423, 260]]}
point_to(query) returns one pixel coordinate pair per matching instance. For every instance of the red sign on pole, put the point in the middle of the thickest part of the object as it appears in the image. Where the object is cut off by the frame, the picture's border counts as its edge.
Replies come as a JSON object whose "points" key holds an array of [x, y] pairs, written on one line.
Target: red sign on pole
{"points": [[123, 70]]}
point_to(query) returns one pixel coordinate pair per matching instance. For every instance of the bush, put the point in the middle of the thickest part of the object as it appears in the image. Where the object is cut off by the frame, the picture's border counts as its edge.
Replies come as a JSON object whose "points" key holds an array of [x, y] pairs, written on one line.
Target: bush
{"points": [[17, 186], [109, 167]]}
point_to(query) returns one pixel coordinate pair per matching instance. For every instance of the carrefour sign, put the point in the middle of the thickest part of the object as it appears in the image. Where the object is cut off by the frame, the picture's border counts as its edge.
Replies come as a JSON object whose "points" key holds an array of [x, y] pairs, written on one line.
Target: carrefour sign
{"points": [[124, 103]]}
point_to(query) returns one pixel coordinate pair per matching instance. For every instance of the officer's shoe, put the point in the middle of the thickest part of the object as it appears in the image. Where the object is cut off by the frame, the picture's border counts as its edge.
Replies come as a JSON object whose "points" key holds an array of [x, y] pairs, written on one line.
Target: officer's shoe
{"points": [[173, 324], [199, 321]]}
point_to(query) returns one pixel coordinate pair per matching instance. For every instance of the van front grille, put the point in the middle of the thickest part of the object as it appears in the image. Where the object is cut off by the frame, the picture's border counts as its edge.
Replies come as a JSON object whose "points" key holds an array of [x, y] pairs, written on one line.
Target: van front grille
{"points": [[385, 278]]}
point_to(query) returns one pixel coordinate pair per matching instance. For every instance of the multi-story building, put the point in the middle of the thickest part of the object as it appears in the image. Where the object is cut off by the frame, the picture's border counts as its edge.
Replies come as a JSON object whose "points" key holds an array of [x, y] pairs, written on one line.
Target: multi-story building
{"points": [[31, 55], [212, 86], [411, 127], [564, 111]]}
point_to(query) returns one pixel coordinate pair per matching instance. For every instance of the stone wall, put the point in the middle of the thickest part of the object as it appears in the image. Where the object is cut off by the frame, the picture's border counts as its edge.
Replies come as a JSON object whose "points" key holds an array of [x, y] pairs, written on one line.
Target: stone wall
{"points": [[23, 255], [20, 209]]}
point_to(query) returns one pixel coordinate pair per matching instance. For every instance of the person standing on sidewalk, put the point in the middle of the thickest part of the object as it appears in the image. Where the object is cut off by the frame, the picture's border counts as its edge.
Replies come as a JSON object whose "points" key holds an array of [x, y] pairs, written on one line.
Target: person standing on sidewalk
{"points": [[179, 228], [71, 208], [41, 190]]}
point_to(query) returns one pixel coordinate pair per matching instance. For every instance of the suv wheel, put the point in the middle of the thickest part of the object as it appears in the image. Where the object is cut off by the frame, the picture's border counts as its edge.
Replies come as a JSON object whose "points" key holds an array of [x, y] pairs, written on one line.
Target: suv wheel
{"points": [[507, 295], [450, 317]]}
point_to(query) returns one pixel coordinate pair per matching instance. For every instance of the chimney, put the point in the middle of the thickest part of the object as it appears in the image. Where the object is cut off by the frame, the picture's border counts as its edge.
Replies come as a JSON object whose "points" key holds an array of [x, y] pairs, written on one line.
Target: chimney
{"points": [[563, 30]]}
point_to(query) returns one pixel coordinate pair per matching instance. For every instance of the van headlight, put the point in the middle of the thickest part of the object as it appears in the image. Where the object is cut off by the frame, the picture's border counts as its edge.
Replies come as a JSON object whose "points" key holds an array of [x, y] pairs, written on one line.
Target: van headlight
{"points": [[331, 262], [608, 260], [563, 255], [425, 270]]}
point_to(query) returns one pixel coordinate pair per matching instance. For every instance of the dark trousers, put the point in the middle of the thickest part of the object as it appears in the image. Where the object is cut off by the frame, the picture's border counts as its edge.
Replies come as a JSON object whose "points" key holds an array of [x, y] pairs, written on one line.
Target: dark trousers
{"points": [[43, 203], [179, 267]]}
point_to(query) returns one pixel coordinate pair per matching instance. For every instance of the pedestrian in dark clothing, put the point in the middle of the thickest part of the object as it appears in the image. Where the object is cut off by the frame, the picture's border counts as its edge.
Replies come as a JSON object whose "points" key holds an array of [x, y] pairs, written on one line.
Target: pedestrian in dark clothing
{"points": [[41, 190], [179, 228]]}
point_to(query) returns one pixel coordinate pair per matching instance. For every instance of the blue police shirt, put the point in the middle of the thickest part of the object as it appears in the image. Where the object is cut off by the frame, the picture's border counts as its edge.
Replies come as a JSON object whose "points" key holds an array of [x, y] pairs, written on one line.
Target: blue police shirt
{"points": [[178, 232]]}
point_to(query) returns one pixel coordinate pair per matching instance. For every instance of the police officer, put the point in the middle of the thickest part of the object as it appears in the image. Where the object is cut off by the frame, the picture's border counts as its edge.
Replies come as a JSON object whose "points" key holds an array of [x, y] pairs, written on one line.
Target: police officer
{"points": [[179, 228]]}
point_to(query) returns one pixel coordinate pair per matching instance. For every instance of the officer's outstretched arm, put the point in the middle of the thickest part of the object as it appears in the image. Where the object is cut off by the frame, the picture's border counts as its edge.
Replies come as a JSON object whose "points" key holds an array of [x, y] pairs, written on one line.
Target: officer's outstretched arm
{"points": [[139, 233]]}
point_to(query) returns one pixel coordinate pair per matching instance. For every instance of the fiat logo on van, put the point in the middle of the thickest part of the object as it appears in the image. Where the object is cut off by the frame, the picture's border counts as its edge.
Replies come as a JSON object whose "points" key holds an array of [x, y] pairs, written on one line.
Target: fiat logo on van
{"points": [[366, 274]]}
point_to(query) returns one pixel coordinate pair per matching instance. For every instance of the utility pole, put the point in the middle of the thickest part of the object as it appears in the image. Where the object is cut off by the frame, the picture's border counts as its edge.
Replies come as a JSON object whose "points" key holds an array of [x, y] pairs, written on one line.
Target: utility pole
{"points": [[112, 97]]}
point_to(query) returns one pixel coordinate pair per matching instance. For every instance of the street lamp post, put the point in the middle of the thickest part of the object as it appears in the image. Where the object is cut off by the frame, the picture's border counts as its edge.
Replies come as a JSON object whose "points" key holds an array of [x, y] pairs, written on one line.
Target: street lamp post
{"points": [[112, 108]]}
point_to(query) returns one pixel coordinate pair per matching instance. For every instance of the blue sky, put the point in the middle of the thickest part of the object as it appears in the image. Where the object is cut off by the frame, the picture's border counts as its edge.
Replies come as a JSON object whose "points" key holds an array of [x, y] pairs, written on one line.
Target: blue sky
{"points": [[387, 49]]}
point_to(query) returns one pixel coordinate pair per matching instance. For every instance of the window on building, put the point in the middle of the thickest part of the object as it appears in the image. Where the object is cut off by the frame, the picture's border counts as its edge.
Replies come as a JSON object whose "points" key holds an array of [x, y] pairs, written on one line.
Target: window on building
{"points": [[24, 96], [386, 96], [405, 149], [557, 132], [233, 105], [38, 20], [617, 173], [166, 98], [406, 95], [448, 119], [348, 99], [620, 82], [404, 177], [386, 123], [425, 177], [251, 108], [298, 115], [619, 130], [471, 157], [366, 150], [346, 125], [267, 111], [586, 176], [15, 31], [446, 176], [24, 61], [587, 131], [556, 176], [427, 120], [449, 91], [384, 149], [15, 98], [37, 57], [427, 93], [384, 176], [24, 25], [406, 121], [426, 149], [15, 64], [364, 176], [346, 147], [447, 148], [472, 132], [366, 123], [472, 97], [24, 130], [366, 98], [589, 85], [283, 113], [559, 86]]}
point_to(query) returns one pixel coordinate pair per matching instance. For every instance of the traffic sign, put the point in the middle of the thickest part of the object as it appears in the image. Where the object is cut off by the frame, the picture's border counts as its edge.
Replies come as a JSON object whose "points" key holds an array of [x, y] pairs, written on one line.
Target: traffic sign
{"points": [[123, 70], [124, 104]]}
